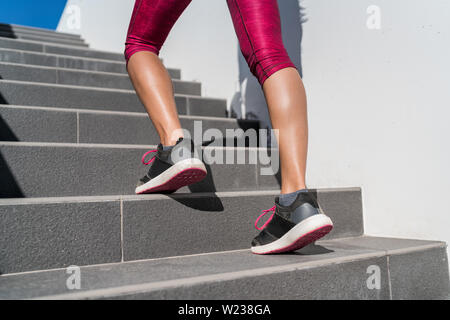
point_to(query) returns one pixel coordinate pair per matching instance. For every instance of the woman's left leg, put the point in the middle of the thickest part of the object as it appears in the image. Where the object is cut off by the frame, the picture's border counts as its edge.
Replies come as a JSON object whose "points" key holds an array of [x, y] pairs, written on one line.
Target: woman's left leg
{"points": [[297, 219], [258, 27]]}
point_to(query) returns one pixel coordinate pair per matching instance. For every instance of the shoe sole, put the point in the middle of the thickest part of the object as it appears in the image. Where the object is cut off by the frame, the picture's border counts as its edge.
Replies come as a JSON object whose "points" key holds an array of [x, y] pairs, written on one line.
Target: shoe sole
{"points": [[304, 233], [181, 174]]}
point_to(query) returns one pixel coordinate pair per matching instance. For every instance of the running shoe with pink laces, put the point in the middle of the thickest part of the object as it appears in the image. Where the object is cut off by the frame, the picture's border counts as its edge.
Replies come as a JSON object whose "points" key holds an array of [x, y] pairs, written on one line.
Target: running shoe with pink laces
{"points": [[172, 169], [291, 227]]}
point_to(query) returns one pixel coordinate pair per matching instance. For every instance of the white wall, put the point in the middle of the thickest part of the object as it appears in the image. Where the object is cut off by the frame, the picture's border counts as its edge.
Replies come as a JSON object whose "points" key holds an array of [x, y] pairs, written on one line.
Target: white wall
{"points": [[379, 100], [102, 23], [379, 107]]}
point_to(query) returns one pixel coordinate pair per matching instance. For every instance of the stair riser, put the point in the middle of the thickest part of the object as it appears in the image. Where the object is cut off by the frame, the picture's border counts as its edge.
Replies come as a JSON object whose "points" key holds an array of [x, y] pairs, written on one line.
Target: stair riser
{"points": [[334, 282], [90, 232], [61, 50], [46, 39], [420, 275], [402, 277], [36, 31], [28, 94], [41, 59], [345, 272], [345, 281], [43, 171], [80, 78], [25, 124]]}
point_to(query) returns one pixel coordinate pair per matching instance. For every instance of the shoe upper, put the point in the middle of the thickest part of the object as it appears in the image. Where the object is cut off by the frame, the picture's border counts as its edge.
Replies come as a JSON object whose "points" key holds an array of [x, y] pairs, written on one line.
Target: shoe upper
{"points": [[287, 217], [164, 159], [304, 206]]}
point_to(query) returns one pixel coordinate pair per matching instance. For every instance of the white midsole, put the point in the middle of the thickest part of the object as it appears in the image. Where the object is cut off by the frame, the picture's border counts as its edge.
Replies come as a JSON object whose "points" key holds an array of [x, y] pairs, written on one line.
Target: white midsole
{"points": [[306, 226], [191, 163]]}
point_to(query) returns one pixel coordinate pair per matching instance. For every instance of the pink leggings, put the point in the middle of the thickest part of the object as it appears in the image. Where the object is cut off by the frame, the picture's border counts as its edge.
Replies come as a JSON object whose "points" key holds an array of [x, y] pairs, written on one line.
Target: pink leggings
{"points": [[256, 22]]}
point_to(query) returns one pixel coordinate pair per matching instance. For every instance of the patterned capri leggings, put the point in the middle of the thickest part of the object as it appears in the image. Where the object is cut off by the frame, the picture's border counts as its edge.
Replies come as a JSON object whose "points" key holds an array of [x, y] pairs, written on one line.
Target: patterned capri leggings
{"points": [[256, 22]]}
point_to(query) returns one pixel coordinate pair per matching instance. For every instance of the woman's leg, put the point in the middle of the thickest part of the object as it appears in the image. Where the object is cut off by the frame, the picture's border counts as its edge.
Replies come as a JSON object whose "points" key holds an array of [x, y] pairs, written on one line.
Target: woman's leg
{"points": [[286, 100], [154, 88], [150, 25], [258, 27], [297, 219]]}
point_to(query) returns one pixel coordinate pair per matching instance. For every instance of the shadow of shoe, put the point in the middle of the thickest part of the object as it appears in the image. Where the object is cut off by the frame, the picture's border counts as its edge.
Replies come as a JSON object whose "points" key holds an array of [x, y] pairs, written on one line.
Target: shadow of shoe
{"points": [[203, 195], [309, 250], [201, 201]]}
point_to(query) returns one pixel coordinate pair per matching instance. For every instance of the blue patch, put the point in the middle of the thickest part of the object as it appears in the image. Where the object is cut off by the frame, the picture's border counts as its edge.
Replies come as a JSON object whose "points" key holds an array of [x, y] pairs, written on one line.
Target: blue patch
{"points": [[33, 13]]}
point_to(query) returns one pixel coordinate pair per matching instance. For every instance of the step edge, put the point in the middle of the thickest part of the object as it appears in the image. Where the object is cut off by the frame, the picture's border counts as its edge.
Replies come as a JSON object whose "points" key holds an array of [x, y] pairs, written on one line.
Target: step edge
{"points": [[9, 34], [225, 276], [423, 247], [45, 46], [50, 44], [65, 56], [13, 25], [66, 86], [112, 146], [56, 35], [15, 274], [386, 252], [42, 39], [121, 113], [157, 197], [71, 70]]}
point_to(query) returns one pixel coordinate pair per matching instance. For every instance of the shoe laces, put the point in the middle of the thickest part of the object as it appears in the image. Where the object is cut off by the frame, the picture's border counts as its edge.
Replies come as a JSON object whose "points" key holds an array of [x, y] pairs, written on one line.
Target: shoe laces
{"points": [[151, 159], [264, 212]]}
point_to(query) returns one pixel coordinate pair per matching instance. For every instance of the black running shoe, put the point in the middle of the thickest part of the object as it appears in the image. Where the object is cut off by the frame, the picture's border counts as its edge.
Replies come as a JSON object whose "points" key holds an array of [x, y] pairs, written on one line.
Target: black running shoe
{"points": [[172, 169], [293, 227]]}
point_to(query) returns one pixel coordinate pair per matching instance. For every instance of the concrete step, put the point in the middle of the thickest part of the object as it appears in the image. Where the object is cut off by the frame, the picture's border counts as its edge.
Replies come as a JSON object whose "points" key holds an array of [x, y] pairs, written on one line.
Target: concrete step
{"points": [[18, 123], [35, 169], [58, 232], [54, 60], [37, 46], [21, 72], [69, 96], [333, 269], [12, 28], [54, 35], [42, 38]]}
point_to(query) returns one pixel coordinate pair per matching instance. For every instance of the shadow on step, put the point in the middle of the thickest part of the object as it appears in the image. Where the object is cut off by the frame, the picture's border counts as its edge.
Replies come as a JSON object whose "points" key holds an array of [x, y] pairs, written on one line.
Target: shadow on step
{"points": [[210, 203], [2, 98], [9, 188], [309, 250], [6, 134]]}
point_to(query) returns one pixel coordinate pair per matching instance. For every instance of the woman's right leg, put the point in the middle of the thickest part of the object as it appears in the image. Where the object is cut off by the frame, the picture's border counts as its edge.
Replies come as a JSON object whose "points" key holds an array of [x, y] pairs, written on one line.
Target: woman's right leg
{"points": [[296, 217], [154, 88], [150, 25]]}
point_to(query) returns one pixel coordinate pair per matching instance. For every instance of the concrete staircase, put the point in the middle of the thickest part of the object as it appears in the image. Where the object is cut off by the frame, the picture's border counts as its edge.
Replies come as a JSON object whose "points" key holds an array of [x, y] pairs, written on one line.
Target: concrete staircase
{"points": [[71, 135]]}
